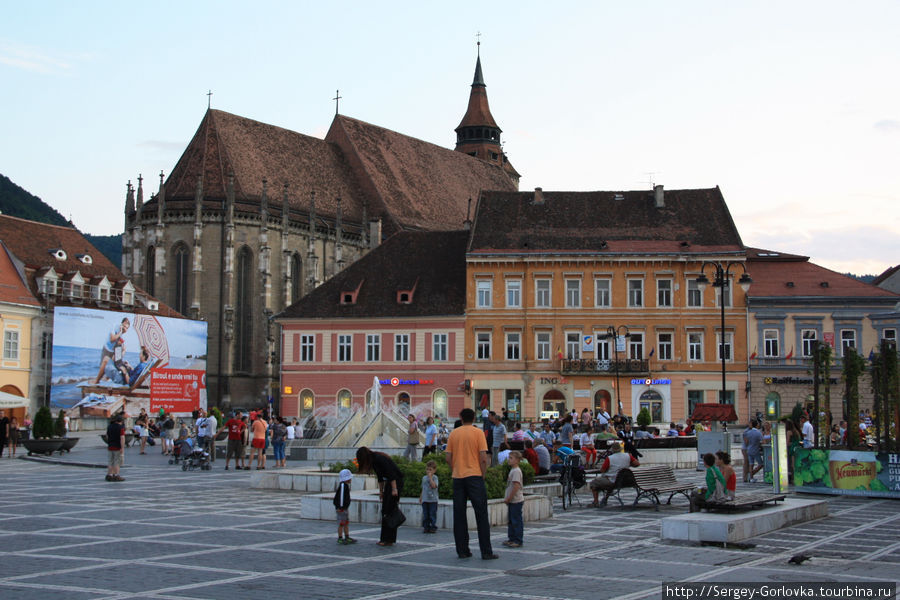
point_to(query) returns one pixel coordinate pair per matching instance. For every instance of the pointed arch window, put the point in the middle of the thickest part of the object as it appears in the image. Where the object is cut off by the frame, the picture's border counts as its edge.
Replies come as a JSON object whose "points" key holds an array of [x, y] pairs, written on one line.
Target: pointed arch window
{"points": [[242, 309], [182, 271], [151, 271], [296, 277]]}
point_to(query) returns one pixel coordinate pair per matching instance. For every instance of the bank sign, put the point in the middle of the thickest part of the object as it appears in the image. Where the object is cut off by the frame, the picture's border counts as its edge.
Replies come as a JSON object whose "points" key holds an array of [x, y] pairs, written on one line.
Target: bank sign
{"points": [[395, 381]]}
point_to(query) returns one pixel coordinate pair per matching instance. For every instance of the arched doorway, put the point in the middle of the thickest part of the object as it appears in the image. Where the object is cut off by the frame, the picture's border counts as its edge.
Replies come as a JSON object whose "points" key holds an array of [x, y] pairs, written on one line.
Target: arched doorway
{"points": [[439, 404], [307, 403], [345, 399], [653, 402], [17, 410], [602, 402], [553, 404], [403, 403]]}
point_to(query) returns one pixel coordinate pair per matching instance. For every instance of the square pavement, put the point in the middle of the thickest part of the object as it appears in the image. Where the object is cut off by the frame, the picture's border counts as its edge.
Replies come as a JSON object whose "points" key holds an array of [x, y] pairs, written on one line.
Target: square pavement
{"points": [[169, 534]]}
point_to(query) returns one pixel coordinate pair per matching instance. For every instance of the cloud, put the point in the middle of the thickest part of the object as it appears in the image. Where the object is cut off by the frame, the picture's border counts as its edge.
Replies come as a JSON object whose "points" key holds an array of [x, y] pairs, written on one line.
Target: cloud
{"points": [[30, 58], [887, 126], [162, 145]]}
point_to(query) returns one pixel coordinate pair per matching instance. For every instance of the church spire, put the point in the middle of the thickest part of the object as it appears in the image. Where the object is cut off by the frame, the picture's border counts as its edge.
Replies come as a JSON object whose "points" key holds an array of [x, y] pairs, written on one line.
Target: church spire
{"points": [[478, 134]]}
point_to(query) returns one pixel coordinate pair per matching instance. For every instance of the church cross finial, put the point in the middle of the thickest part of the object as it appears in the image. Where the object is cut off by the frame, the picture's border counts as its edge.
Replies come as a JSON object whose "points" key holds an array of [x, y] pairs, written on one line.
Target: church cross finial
{"points": [[478, 42], [337, 100], [209, 99]]}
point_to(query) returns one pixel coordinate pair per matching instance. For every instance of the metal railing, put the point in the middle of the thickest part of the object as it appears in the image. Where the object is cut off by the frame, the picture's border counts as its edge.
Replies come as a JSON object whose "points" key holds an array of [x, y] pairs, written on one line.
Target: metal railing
{"points": [[587, 365]]}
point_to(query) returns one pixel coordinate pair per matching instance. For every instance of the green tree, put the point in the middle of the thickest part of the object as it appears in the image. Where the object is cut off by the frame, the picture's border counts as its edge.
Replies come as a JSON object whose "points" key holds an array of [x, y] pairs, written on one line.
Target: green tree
{"points": [[886, 387], [643, 418], [854, 366], [43, 423]]}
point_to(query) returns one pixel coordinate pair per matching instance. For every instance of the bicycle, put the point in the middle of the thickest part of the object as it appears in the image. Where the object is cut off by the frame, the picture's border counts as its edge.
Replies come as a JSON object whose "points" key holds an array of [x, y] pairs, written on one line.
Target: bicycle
{"points": [[571, 478]]}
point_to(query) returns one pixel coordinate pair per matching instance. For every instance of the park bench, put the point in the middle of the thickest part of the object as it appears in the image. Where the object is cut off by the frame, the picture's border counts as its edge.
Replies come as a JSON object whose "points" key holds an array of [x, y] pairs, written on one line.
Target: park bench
{"points": [[650, 482], [746, 501]]}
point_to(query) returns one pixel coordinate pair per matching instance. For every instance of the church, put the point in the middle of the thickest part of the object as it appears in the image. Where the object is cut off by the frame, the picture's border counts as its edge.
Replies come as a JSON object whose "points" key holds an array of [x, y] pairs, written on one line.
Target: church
{"points": [[253, 216]]}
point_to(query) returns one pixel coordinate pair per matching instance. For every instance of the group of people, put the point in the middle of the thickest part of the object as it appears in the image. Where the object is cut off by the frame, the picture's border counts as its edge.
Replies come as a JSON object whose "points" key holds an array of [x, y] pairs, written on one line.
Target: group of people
{"points": [[9, 432]]}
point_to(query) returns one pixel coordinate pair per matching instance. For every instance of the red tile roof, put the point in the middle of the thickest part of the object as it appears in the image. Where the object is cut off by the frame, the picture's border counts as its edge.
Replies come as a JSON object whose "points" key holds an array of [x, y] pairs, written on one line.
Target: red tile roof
{"points": [[418, 184], [691, 221], [13, 288], [886, 275], [778, 274], [31, 243]]}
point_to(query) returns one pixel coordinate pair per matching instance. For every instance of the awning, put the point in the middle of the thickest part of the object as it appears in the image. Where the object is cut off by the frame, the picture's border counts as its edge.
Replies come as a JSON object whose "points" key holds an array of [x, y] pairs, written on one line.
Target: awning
{"points": [[13, 401], [714, 412]]}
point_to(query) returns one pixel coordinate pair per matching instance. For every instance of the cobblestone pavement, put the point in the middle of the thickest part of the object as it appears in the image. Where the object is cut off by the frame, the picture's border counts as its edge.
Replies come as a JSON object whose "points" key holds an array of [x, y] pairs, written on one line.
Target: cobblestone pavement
{"points": [[165, 533]]}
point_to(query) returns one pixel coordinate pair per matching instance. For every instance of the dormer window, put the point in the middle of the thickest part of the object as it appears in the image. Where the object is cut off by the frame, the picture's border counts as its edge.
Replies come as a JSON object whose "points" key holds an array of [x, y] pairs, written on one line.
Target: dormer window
{"points": [[405, 294], [349, 296], [58, 253], [404, 297], [85, 258]]}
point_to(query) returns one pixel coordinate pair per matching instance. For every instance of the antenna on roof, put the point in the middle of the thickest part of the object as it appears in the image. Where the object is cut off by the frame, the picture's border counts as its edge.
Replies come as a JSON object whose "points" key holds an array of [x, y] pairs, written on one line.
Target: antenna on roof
{"points": [[208, 99], [649, 175]]}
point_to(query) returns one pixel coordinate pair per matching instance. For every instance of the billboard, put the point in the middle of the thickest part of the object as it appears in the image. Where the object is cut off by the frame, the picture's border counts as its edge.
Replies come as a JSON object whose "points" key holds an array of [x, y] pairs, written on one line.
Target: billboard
{"points": [[105, 361], [847, 472]]}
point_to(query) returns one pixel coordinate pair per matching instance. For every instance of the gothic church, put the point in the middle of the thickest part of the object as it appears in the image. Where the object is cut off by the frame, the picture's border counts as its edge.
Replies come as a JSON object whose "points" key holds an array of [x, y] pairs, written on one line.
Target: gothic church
{"points": [[254, 216]]}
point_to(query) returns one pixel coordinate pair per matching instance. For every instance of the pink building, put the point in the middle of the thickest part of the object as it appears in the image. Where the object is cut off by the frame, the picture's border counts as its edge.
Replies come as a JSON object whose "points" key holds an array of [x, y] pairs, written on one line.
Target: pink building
{"points": [[397, 314]]}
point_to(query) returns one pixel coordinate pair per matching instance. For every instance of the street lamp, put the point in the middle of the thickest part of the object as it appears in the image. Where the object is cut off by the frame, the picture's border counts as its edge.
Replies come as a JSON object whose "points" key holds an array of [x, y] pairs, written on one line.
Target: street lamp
{"points": [[720, 280], [615, 333]]}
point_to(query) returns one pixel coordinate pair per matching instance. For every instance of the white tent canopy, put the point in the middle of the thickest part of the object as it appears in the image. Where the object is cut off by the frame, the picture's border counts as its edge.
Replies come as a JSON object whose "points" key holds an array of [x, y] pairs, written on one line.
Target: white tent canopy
{"points": [[12, 401]]}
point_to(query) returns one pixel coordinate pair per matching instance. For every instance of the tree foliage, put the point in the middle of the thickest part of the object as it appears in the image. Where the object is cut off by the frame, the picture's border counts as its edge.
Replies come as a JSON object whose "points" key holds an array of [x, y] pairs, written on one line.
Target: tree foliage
{"points": [[43, 427]]}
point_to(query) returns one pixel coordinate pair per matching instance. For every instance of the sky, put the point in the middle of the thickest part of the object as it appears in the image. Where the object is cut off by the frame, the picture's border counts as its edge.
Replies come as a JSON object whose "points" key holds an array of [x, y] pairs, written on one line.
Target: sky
{"points": [[791, 108]]}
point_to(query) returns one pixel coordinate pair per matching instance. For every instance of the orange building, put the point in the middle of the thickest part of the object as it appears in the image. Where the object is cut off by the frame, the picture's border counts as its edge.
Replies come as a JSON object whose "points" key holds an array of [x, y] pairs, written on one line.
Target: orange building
{"points": [[549, 277]]}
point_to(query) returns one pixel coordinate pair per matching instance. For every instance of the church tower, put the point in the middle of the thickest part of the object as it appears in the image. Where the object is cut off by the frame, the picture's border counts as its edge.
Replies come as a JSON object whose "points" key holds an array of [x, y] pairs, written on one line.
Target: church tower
{"points": [[478, 134]]}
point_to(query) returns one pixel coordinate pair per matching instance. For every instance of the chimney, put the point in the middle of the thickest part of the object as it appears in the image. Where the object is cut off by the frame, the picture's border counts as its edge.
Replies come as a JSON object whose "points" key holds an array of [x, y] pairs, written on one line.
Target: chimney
{"points": [[538, 195], [658, 196]]}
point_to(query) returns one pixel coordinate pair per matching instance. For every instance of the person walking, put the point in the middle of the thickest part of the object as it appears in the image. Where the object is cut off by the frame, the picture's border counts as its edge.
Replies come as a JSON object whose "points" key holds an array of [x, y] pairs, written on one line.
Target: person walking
{"points": [[4, 430], [498, 438], [259, 428], [115, 438], [279, 433], [467, 456], [412, 439], [390, 482], [431, 432]]}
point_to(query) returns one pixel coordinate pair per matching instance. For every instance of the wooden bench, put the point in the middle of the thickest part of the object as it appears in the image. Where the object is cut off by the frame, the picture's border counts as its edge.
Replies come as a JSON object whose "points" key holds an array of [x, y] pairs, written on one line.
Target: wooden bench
{"points": [[649, 482], [746, 501]]}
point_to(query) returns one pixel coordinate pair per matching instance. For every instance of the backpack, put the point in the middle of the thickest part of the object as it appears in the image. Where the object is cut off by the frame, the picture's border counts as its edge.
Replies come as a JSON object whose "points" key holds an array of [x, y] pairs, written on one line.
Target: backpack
{"points": [[170, 424]]}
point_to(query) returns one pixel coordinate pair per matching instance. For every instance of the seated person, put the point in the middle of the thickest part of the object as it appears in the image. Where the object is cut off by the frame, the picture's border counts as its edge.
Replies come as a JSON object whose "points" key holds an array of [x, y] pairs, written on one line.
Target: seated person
{"points": [[673, 430], [609, 470], [715, 485], [531, 456], [543, 455], [135, 373], [688, 427], [518, 435], [642, 433], [560, 454], [587, 446], [503, 454], [723, 461], [603, 433]]}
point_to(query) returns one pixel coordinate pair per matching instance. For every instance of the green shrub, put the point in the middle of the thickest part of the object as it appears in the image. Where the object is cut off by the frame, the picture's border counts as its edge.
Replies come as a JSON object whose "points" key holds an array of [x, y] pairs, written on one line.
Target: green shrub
{"points": [[215, 412], [61, 424], [43, 423], [643, 418]]}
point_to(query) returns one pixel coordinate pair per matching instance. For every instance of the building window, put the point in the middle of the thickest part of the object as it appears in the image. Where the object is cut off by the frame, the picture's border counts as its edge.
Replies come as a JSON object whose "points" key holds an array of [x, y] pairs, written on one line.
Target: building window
{"points": [[573, 293], [635, 292], [889, 336], [573, 345], [694, 297], [150, 272], [439, 346], [10, 345], [725, 346], [636, 346], [695, 346], [307, 348], [848, 340], [483, 345], [770, 343], [727, 398], [542, 345], [513, 346], [401, 347], [243, 320], [664, 292], [602, 346], [182, 269], [373, 347], [726, 294], [439, 404], [484, 293], [808, 340], [513, 293], [345, 348], [307, 403], [345, 401], [542, 293], [602, 293], [695, 397], [664, 343], [296, 277]]}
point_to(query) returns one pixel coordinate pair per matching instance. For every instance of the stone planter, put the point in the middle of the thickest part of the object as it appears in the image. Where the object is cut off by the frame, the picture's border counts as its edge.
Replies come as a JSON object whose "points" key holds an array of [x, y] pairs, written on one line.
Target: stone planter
{"points": [[43, 446], [68, 444]]}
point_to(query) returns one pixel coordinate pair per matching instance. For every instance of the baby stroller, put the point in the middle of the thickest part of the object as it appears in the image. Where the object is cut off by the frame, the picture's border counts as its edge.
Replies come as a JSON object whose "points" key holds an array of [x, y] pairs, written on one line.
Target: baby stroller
{"points": [[189, 457]]}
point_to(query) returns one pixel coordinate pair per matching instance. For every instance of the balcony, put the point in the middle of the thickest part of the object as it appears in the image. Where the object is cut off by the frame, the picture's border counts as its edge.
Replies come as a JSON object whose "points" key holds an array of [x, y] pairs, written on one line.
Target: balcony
{"points": [[587, 366]]}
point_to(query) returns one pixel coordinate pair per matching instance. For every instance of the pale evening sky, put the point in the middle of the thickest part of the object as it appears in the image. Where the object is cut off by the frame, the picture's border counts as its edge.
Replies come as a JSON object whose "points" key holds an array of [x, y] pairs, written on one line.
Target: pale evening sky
{"points": [[792, 108]]}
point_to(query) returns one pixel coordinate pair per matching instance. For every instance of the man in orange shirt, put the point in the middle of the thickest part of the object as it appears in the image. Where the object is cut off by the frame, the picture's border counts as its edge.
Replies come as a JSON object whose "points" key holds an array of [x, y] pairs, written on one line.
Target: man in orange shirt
{"points": [[467, 456], [258, 442]]}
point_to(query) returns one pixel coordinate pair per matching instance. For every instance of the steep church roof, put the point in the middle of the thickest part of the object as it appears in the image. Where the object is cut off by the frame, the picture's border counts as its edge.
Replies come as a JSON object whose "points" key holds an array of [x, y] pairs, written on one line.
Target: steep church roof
{"points": [[227, 143], [689, 221], [478, 112], [419, 185]]}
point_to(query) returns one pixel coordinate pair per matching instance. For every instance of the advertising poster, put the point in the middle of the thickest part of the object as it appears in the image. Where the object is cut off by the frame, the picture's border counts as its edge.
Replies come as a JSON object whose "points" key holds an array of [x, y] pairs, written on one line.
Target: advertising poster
{"points": [[107, 361], [847, 472]]}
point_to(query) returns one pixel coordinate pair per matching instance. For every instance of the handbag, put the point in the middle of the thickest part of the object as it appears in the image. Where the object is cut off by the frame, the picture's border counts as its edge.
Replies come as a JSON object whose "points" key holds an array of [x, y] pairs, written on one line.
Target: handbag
{"points": [[395, 519]]}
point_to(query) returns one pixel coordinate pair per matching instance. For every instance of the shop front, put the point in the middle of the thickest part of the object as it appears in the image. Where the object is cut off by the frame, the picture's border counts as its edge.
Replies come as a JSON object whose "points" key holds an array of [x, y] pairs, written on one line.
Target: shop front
{"points": [[654, 395]]}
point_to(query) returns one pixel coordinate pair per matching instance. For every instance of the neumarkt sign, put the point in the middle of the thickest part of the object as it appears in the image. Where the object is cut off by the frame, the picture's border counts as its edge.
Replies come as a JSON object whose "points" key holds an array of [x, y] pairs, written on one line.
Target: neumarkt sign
{"points": [[795, 380]]}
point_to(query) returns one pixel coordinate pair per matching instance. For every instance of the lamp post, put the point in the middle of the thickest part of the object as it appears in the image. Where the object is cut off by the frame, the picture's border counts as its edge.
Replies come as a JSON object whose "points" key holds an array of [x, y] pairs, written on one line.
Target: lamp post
{"points": [[615, 332], [720, 280]]}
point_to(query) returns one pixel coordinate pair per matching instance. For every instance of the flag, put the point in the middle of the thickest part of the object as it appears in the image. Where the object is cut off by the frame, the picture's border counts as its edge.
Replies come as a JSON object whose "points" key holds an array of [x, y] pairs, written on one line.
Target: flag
{"points": [[752, 356], [790, 354], [559, 352], [652, 350]]}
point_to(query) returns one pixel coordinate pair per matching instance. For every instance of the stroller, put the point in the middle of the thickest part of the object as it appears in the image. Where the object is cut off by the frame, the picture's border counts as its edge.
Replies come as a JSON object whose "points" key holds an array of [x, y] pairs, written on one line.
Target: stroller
{"points": [[190, 457]]}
